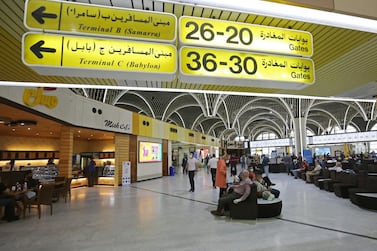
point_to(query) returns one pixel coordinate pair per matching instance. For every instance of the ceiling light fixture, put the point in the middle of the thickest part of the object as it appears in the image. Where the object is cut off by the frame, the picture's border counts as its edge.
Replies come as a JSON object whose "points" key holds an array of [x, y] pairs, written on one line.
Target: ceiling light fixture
{"points": [[21, 123], [287, 12], [4, 120]]}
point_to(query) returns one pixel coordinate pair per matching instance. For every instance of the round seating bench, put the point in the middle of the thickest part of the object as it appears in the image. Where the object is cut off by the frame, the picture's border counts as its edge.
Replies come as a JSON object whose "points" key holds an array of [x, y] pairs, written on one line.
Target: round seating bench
{"points": [[269, 208], [367, 200]]}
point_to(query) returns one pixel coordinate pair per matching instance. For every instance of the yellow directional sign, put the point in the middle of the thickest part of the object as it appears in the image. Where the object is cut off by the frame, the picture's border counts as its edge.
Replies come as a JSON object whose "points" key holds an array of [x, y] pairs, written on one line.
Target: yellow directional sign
{"points": [[224, 34], [203, 65], [94, 57], [48, 15]]}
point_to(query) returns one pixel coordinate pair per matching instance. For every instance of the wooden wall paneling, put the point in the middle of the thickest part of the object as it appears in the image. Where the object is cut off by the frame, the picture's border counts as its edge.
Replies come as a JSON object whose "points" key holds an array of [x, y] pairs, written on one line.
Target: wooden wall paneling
{"points": [[66, 151], [121, 154], [133, 157]]}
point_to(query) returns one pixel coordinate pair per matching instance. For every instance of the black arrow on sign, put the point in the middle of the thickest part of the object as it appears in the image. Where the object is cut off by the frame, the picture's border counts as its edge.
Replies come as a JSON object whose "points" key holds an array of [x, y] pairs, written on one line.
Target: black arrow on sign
{"points": [[37, 49], [39, 14]]}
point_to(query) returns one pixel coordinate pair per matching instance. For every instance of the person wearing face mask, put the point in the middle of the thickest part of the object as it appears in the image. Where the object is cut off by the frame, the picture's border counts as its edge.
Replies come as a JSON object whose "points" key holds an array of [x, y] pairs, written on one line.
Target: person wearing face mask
{"points": [[192, 167]]}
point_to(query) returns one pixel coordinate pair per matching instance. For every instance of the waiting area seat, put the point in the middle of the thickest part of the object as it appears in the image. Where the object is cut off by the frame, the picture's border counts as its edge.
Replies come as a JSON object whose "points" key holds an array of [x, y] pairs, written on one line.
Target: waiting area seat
{"points": [[269, 208], [246, 209], [346, 181], [367, 200], [254, 207]]}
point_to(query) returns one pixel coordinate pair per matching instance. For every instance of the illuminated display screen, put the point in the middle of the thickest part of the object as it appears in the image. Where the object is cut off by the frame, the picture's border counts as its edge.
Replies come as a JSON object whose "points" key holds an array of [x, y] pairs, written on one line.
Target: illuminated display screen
{"points": [[320, 151], [150, 152]]}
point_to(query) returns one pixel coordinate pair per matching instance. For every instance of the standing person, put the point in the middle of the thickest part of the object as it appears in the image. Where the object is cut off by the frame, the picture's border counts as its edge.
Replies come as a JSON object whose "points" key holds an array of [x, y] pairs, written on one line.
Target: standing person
{"points": [[212, 165], [240, 193], [52, 166], [266, 165], [91, 171], [288, 163], [233, 165], [243, 162], [184, 163], [221, 175], [192, 167]]}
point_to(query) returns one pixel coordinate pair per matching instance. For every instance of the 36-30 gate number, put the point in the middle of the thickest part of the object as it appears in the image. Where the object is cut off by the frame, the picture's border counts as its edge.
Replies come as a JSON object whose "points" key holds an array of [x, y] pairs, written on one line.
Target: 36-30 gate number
{"points": [[209, 63]]}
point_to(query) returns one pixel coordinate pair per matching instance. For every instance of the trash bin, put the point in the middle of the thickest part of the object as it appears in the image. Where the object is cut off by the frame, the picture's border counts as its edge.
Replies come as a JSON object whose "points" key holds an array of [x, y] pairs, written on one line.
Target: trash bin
{"points": [[171, 171]]}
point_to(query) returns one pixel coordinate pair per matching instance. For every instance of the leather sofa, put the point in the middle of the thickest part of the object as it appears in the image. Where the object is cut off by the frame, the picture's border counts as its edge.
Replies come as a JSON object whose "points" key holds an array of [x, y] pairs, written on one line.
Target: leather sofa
{"points": [[246, 209]]}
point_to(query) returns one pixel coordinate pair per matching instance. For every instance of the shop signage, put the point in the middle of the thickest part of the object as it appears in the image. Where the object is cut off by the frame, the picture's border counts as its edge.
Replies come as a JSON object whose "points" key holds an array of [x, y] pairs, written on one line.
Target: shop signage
{"points": [[117, 125], [224, 34], [92, 19], [34, 97], [203, 65], [95, 57]]}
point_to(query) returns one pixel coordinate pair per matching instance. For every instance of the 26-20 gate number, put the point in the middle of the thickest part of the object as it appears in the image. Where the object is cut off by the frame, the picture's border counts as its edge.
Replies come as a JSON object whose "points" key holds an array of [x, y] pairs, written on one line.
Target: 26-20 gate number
{"points": [[206, 32], [209, 63]]}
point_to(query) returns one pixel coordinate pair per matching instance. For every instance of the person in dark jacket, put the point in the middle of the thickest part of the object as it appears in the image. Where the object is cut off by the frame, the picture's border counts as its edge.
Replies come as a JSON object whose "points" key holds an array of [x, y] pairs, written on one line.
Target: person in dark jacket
{"points": [[9, 204]]}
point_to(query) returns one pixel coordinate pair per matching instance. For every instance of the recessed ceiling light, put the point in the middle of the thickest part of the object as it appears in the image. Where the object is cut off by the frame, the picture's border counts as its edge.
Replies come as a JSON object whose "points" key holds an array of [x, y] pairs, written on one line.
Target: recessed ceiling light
{"points": [[13, 129], [4, 120]]}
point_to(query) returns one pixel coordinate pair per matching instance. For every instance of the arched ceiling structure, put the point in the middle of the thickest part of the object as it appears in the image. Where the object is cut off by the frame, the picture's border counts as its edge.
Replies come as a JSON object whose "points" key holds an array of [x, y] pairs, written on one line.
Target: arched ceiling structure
{"points": [[345, 66]]}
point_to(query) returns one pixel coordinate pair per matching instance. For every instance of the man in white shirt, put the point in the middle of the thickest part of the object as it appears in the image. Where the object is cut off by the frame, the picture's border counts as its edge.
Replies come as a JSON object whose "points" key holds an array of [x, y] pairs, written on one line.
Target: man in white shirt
{"points": [[192, 167], [212, 165]]}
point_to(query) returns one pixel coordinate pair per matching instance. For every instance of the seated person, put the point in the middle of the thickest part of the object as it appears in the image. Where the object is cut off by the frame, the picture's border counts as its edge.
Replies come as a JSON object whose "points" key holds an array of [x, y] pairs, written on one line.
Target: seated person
{"points": [[264, 191], [338, 167], [234, 194], [301, 169], [251, 169], [232, 180], [316, 171], [9, 203], [32, 186]]}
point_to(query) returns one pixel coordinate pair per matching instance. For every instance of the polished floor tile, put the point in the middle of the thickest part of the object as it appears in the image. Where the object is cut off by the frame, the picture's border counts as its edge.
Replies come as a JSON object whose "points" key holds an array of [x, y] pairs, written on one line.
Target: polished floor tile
{"points": [[161, 214]]}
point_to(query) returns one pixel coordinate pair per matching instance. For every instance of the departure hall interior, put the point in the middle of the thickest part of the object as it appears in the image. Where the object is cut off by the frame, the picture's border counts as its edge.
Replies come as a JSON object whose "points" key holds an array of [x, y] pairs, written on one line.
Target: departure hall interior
{"points": [[135, 86]]}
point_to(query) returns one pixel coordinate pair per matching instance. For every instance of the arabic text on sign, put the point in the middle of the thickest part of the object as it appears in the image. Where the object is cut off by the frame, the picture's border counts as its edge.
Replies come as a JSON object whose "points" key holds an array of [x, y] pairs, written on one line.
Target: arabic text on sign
{"points": [[225, 34]]}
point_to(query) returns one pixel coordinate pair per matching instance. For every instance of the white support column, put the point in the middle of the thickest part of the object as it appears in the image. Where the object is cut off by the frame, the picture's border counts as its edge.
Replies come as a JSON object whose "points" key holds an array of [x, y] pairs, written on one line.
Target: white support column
{"points": [[300, 135]]}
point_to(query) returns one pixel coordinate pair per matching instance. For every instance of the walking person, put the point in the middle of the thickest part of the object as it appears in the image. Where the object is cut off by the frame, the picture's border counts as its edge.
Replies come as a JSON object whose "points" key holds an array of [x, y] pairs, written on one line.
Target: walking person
{"points": [[192, 166], [184, 164], [212, 166]]}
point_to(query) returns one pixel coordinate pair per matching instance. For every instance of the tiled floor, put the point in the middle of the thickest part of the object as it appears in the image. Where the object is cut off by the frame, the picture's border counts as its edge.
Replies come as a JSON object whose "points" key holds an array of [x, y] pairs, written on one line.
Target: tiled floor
{"points": [[161, 214]]}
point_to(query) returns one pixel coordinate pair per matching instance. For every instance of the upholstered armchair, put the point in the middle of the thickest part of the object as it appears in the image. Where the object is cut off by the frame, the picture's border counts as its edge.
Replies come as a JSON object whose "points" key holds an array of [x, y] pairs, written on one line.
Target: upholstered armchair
{"points": [[246, 209]]}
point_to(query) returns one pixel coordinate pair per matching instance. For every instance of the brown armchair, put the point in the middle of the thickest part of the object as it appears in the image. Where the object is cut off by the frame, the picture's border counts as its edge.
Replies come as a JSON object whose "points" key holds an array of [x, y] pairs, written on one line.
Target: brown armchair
{"points": [[44, 197], [246, 209], [64, 190]]}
